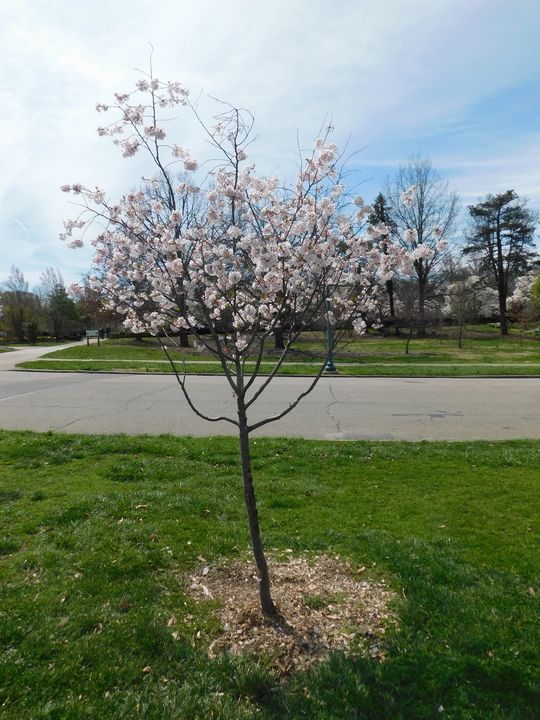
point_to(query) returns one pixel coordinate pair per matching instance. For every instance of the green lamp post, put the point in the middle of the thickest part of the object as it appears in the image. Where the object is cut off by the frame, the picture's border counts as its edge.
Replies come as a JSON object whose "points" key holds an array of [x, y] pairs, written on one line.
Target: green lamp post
{"points": [[329, 366]]}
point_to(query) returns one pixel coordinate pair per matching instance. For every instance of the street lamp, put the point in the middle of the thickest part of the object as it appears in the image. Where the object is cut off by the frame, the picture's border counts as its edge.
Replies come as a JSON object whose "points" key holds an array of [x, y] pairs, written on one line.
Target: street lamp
{"points": [[329, 366]]}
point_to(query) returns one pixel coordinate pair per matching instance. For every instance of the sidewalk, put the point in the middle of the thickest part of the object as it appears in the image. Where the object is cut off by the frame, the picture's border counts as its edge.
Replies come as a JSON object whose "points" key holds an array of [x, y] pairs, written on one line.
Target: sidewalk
{"points": [[338, 363], [8, 360]]}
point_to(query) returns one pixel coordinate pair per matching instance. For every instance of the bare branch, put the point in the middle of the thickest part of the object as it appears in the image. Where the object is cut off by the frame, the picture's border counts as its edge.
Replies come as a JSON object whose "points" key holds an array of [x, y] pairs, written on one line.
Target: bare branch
{"points": [[291, 407], [182, 383]]}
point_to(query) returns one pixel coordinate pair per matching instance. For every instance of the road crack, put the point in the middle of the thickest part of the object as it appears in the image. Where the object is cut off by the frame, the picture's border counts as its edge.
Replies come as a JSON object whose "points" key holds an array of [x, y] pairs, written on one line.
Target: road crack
{"points": [[329, 407]]}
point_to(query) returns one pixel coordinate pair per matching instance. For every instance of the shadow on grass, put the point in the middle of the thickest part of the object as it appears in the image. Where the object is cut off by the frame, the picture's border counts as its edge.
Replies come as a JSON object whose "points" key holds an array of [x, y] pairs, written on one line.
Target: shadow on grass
{"points": [[465, 648]]}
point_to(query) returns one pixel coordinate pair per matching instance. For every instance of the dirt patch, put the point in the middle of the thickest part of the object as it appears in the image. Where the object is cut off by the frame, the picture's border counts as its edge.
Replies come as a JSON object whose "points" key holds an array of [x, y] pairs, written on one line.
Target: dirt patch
{"points": [[325, 604]]}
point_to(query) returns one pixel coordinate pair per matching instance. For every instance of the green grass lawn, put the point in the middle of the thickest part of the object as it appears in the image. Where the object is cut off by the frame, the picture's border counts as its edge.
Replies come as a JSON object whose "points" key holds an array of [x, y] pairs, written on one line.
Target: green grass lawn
{"points": [[370, 355], [97, 533], [373, 370]]}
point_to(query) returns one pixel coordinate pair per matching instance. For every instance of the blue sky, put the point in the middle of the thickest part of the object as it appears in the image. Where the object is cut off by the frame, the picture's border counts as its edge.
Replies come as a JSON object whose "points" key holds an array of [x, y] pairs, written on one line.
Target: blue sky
{"points": [[455, 80]]}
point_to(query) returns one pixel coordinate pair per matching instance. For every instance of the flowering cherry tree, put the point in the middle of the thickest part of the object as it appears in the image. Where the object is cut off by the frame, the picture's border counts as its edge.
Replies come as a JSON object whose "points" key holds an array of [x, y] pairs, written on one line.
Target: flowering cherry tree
{"points": [[522, 299], [213, 249], [523, 304]]}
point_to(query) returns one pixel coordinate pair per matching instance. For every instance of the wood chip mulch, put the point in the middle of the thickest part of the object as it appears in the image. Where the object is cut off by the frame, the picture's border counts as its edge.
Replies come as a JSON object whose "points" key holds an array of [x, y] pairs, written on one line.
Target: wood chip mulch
{"points": [[325, 606]]}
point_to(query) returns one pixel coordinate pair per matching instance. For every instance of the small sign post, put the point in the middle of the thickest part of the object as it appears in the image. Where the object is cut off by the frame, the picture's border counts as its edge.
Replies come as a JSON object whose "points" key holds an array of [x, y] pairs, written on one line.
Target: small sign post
{"points": [[92, 334]]}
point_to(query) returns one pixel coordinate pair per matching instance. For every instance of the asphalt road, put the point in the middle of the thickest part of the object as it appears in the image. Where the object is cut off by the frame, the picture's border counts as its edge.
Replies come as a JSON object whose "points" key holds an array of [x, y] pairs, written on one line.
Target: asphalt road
{"points": [[339, 408]]}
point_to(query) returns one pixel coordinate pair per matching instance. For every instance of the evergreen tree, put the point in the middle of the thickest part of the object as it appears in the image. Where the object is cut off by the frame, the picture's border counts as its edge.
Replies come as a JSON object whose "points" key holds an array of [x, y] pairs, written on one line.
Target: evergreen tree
{"points": [[61, 313], [500, 235], [381, 214], [59, 310]]}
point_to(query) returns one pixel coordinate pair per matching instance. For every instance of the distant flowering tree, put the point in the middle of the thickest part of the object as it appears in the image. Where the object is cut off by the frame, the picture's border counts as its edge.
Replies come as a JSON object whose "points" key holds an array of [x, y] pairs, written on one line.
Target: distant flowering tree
{"points": [[535, 297], [523, 304], [422, 212], [467, 299], [230, 257]]}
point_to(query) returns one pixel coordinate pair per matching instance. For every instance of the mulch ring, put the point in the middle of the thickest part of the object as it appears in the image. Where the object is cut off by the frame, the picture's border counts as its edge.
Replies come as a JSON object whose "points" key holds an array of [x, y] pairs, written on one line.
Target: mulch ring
{"points": [[324, 604]]}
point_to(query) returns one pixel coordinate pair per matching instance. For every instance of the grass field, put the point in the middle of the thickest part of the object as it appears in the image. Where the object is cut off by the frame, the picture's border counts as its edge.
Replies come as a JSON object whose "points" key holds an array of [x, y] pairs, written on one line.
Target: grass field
{"points": [[483, 354], [386, 369], [97, 534]]}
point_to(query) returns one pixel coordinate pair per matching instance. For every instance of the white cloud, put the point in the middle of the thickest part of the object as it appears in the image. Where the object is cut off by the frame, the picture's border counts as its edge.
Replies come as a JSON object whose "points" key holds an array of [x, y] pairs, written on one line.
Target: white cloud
{"points": [[381, 71], [516, 168]]}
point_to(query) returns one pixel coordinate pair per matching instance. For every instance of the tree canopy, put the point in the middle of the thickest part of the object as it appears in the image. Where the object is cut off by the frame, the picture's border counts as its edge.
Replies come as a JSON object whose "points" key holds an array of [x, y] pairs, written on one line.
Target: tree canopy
{"points": [[230, 255], [423, 224]]}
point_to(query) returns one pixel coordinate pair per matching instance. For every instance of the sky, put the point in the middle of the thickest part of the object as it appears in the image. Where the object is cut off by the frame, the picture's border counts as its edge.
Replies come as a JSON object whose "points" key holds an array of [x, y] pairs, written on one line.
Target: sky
{"points": [[457, 81]]}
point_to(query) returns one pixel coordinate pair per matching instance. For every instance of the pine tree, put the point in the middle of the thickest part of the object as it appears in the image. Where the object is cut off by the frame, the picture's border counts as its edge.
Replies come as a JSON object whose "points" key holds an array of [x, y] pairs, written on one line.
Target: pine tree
{"points": [[381, 214], [500, 236]]}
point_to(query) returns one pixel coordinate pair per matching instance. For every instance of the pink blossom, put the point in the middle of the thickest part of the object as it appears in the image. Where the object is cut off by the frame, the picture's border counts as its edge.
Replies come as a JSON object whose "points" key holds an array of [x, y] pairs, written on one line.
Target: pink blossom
{"points": [[130, 147], [135, 114], [408, 195], [155, 132], [180, 152], [410, 236], [422, 252], [359, 326], [234, 232], [248, 254]]}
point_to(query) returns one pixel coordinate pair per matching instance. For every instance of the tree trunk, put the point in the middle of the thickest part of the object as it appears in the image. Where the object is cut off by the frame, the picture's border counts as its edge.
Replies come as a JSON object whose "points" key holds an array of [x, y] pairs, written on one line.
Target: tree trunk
{"points": [[17, 324], [184, 339], [409, 336], [502, 311], [279, 342], [392, 307], [267, 604], [421, 327], [501, 278], [390, 291]]}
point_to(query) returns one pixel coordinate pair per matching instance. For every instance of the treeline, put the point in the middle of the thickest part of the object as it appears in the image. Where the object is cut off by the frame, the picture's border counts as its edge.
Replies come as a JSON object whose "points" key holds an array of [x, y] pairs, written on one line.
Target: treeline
{"points": [[50, 310], [488, 271]]}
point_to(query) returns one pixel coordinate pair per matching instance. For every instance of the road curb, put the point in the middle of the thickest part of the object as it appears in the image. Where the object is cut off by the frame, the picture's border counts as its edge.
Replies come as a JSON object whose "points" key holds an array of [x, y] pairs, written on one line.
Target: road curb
{"points": [[330, 376]]}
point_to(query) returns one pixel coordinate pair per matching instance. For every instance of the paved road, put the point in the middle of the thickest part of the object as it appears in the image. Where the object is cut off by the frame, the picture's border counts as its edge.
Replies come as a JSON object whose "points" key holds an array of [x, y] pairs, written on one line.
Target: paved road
{"points": [[339, 408]]}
